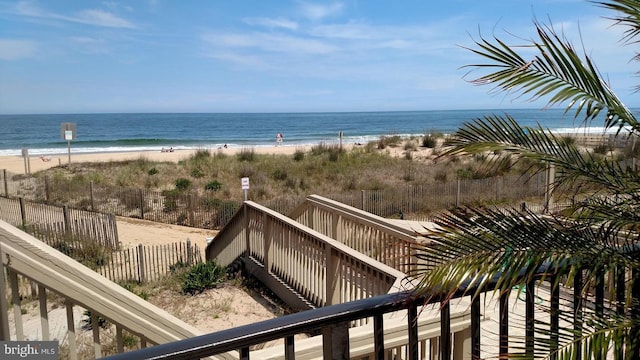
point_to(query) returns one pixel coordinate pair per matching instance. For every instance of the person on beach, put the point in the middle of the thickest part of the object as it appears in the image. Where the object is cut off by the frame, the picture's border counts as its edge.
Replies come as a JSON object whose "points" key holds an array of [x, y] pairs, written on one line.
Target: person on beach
{"points": [[279, 139]]}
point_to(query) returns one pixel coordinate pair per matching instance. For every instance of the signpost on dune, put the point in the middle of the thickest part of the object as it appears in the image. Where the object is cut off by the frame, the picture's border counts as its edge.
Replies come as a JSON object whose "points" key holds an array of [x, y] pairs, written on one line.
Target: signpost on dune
{"points": [[68, 132]]}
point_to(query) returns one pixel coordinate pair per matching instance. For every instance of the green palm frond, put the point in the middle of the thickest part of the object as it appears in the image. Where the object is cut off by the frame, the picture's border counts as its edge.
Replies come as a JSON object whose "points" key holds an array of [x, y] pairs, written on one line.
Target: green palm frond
{"points": [[557, 73]]}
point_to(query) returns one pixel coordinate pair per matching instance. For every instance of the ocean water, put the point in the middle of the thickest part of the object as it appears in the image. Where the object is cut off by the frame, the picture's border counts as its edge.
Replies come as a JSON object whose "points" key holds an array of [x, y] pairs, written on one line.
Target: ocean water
{"points": [[42, 135]]}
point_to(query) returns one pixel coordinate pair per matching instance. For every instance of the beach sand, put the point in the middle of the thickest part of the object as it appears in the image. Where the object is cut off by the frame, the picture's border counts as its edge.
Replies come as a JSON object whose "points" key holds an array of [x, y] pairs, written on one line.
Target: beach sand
{"points": [[16, 164]]}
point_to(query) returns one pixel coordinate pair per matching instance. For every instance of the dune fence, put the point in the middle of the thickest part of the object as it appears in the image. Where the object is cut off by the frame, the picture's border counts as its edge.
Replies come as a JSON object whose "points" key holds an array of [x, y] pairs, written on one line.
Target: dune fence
{"points": [[144, 264], [61, 227]]}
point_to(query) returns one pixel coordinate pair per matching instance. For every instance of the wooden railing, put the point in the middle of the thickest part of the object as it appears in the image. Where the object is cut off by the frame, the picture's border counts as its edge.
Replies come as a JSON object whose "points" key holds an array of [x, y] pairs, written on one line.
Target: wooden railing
{"points": [[379, 238], [57, 275], [296, 260]]}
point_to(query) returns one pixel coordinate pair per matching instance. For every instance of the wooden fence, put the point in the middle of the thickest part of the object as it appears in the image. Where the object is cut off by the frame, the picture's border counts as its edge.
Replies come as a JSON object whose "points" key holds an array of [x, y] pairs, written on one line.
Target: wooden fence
{"points": [[208, 212], [143, 264], [63, 228]]}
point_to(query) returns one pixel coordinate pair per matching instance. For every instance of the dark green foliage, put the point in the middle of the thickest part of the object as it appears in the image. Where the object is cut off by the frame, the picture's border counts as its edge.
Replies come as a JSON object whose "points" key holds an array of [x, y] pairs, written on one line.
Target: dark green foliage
{"points": [[298, 155], [429, 141], [153, 171], [88, 324], [183, 184], [213, 185], [203, 276]]}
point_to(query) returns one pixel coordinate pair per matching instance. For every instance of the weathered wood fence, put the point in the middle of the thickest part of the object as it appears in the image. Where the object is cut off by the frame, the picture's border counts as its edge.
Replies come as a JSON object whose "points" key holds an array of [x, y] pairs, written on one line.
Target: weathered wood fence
{"points": [[208, 212], [143, 264], [61, 226]]}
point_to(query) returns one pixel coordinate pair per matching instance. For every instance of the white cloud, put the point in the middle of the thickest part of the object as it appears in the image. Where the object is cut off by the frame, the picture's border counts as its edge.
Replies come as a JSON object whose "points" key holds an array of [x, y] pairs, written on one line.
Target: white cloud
{"points": [[16, 49], [101, 18], [272, 23], [94, 17], [318, 12], [270, 43]]}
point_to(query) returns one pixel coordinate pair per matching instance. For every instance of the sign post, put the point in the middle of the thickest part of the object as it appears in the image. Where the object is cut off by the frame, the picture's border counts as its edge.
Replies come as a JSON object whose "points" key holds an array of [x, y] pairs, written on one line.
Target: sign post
{"points": [[68, 133], [245, 187]]}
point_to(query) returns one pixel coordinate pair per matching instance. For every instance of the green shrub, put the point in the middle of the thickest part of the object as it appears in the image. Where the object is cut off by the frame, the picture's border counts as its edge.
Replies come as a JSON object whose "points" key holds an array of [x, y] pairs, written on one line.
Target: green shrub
{"points": [[203, 276], [213, 185], [153, 171], [183, 184], [88, 323], [429, 141], [298, 155]]}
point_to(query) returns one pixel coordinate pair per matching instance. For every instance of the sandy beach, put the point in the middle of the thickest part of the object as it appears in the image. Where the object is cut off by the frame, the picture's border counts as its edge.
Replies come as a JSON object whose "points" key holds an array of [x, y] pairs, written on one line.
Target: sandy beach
{"points": [[17, 164]]}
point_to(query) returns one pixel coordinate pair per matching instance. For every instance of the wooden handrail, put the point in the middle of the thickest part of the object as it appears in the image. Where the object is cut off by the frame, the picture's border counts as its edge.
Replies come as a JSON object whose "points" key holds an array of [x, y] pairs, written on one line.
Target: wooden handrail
{"points": [[27, 256]]}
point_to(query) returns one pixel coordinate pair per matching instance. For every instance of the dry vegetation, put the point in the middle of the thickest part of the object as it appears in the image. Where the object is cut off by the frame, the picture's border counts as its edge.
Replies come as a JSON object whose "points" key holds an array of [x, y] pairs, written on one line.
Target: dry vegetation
{"points": [[325, 169]]}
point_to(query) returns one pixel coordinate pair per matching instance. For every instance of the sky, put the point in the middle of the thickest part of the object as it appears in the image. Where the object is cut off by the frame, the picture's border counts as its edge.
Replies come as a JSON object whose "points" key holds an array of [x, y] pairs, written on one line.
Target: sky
{"points": [[64, 56]]}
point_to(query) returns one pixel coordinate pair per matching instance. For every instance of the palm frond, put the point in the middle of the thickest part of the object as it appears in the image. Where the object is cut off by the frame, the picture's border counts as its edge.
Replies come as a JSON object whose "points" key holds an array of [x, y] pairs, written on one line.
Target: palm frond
{"points": [[557, 74]]}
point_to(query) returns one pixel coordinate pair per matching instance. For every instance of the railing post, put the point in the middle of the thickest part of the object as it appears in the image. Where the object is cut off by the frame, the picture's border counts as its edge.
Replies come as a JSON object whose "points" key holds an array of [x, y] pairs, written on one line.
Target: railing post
{"points": [[362, 197], [445, 331], [475, 328], [458, 193], [504, 324], [412, 326], [268, 241], [555, 318], [335, 341], [529, 318], [247, 239], [333, 277], [4, 308], [577, 313]]}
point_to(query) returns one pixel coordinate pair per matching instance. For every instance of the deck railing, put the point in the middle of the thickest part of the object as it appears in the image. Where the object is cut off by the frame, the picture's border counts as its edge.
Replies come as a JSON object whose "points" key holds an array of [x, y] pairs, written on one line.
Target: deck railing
{"points": [[70, 283], [478, 345], [300, 261], [379, 238]]}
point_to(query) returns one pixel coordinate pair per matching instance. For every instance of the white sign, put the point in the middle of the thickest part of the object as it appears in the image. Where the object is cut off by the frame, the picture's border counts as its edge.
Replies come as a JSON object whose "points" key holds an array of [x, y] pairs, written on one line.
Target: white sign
{"points": [[68, 135], [245, 183]]}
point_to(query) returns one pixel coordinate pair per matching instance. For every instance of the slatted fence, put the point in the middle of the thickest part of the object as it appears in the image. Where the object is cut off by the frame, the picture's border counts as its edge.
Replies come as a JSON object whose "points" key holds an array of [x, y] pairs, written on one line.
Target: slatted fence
{"points": [[144, 264], [61, 226]]}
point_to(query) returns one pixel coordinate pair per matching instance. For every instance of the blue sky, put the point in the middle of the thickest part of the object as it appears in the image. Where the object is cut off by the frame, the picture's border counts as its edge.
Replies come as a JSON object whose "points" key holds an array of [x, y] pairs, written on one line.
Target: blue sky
{"points": [[276, 56]]}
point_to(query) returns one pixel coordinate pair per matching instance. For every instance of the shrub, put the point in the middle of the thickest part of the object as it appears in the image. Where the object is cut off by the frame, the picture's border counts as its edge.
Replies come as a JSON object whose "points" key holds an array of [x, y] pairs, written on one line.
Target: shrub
{"points": [[88, 323], [203, 276], [213, 185], [298, 155], [153, 171], [183, 184], [429, 141]]}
